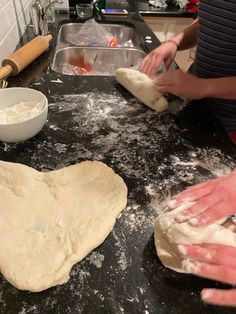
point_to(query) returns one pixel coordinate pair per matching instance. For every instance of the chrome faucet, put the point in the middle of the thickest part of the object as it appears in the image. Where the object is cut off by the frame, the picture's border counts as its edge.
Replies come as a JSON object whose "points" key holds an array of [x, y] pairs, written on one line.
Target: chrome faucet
{"points": [[39, 16]]}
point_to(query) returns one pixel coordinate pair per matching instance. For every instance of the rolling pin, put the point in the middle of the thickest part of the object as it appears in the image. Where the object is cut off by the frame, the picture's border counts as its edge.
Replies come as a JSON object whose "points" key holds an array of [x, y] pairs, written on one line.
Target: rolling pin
{"points": [[23, 56]]}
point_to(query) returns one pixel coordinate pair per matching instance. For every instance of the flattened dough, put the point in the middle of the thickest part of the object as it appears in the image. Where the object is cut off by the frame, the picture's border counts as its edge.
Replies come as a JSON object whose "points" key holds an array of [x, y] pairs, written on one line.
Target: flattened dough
{"points": [[169, 233], [50, 221], [142, 87]]}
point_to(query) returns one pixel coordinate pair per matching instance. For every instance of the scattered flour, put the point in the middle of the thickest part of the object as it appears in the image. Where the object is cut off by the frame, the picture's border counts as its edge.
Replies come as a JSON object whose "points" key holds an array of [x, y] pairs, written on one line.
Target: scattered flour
{"points": [[120, 250], [135, 219], [96, 259]]}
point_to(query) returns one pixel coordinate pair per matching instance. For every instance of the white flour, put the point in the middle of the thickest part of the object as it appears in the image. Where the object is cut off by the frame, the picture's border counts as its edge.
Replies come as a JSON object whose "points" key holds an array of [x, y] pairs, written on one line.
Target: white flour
{"points": [[22, 111], [96, 259]]}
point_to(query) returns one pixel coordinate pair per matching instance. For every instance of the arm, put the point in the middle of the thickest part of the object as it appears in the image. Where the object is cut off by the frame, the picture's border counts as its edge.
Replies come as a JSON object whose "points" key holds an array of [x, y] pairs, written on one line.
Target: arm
{"points": [[181, 84], [187, 38], [223, 87], [166, 52]]}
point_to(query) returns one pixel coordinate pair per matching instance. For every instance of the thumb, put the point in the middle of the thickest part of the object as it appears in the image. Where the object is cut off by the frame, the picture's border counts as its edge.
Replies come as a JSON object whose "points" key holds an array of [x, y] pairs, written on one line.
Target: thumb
{"points": [[168, 63], [163, 89]]}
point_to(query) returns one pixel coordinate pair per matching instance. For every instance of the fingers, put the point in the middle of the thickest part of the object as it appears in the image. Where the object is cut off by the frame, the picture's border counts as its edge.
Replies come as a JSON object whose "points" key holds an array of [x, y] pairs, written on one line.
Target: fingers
{"points": [[150, 64], [222, 273], [212, 215], [164, 79], [163, 89], [143, 66], [224, 249], [214, 254], [193, 193], [197, 191], [220, 297], [168, 63], [154, 65], [171, 82], [209, 206], [215, 261], [210, 201]]}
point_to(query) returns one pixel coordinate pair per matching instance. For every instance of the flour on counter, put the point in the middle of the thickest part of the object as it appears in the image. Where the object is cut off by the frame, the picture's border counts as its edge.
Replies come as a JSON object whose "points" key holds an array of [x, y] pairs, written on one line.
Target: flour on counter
{"points": [[120, 252], [22, 111], [57, 81], [96, 259], [136, 220], [210, 160]]}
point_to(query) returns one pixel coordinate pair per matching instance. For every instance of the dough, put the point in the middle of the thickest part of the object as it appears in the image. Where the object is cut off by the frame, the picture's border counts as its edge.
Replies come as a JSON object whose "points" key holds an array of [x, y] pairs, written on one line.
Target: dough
{"points": [[142, 87], [50, 221], [169, 233]]}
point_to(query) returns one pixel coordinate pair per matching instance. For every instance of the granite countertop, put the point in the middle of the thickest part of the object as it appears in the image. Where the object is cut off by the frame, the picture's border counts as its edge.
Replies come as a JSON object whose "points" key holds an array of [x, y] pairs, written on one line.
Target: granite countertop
{"points": [[146, 9], [94, 118]]}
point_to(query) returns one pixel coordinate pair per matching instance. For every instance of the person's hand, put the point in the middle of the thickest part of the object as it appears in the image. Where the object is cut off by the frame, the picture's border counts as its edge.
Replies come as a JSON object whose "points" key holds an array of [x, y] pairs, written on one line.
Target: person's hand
{"points": [[214, 200], [181, 84], [213, 261], [165, 53]]}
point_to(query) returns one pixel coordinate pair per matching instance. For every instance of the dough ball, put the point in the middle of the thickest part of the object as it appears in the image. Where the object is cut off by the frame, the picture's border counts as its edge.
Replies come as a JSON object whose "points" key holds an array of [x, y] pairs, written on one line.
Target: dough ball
{"points": [[168, 234]]}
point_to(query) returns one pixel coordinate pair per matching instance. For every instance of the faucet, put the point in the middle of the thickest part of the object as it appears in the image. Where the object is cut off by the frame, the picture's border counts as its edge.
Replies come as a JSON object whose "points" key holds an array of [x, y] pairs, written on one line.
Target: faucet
{"points": [[39, 16]]}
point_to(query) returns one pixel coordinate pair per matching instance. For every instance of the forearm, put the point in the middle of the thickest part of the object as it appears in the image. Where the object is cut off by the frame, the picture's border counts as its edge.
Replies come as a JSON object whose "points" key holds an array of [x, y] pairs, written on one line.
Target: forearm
{"points": [[188, 38], [223, 87]]}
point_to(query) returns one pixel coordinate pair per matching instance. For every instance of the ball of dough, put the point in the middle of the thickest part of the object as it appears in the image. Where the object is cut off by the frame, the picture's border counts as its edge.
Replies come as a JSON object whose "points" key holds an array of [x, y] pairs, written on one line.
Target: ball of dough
{"points": [[169, 233]]}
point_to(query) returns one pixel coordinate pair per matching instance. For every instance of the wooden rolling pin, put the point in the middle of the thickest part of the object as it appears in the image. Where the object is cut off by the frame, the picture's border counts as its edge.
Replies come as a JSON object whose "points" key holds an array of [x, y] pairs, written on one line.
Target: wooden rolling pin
{"points": [[22, 57]]}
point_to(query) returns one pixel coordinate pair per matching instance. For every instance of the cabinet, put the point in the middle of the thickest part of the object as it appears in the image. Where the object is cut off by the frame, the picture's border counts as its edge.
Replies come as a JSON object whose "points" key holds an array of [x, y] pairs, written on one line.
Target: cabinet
{"points": [[165, 28]]}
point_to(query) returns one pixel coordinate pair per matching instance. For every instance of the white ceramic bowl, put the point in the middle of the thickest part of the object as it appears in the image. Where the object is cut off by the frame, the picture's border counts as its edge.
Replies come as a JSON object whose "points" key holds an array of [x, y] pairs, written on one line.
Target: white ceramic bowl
{"points": [[21, 131]]}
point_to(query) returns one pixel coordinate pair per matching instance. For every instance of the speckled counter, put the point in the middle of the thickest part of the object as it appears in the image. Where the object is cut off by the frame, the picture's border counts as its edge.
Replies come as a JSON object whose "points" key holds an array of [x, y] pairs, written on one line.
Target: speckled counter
{"points": [[94, 118], [145, 8]]}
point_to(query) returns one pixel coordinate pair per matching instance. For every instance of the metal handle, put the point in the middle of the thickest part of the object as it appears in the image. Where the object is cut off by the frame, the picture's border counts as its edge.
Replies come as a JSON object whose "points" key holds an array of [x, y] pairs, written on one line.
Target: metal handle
{"points": [[52, 2], [39, 16]]}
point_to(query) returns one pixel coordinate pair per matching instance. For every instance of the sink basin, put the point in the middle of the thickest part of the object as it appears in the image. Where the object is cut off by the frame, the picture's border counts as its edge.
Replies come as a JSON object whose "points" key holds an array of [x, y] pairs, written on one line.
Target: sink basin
{"points": [[94, 60], [70, 35], [82, 49]]}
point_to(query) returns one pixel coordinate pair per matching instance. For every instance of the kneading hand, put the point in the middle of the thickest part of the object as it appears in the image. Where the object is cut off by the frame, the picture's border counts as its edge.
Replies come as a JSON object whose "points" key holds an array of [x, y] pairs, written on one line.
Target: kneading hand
{"points": [[216, 262], [214, 199], [181, 84], [163, 54]]}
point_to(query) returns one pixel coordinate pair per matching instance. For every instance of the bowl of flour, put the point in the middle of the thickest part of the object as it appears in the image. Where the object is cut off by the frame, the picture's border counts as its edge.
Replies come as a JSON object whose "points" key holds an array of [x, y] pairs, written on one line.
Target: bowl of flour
{"points": [[23, 113]]}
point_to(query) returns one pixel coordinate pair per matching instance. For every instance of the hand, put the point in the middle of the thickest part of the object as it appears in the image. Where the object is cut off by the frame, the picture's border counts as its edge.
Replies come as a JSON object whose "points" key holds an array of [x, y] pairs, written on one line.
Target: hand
{"points": [[213, 261], [164, 53], [214, 200], [181, 84]]}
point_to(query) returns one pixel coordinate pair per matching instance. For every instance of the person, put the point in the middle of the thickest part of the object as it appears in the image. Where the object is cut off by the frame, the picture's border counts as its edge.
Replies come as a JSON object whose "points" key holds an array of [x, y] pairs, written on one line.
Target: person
{"points": [[214, 200], [211, 82], [212, 77]]}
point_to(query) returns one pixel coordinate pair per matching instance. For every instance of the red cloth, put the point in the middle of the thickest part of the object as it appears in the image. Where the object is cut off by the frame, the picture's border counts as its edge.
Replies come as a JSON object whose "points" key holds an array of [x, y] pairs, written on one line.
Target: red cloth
{"points": [[233, 136]]}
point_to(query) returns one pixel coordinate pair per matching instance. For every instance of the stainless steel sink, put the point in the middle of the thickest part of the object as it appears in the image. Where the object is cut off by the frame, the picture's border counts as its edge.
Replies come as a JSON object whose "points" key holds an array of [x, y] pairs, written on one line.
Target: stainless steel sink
{"points": [[94, 60], [76, 56], [70, 35]]}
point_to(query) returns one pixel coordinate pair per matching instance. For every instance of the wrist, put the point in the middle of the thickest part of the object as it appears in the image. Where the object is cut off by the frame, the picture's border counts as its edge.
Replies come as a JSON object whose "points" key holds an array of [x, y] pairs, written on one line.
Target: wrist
{"points": [[172, 41], [205, 87]]}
